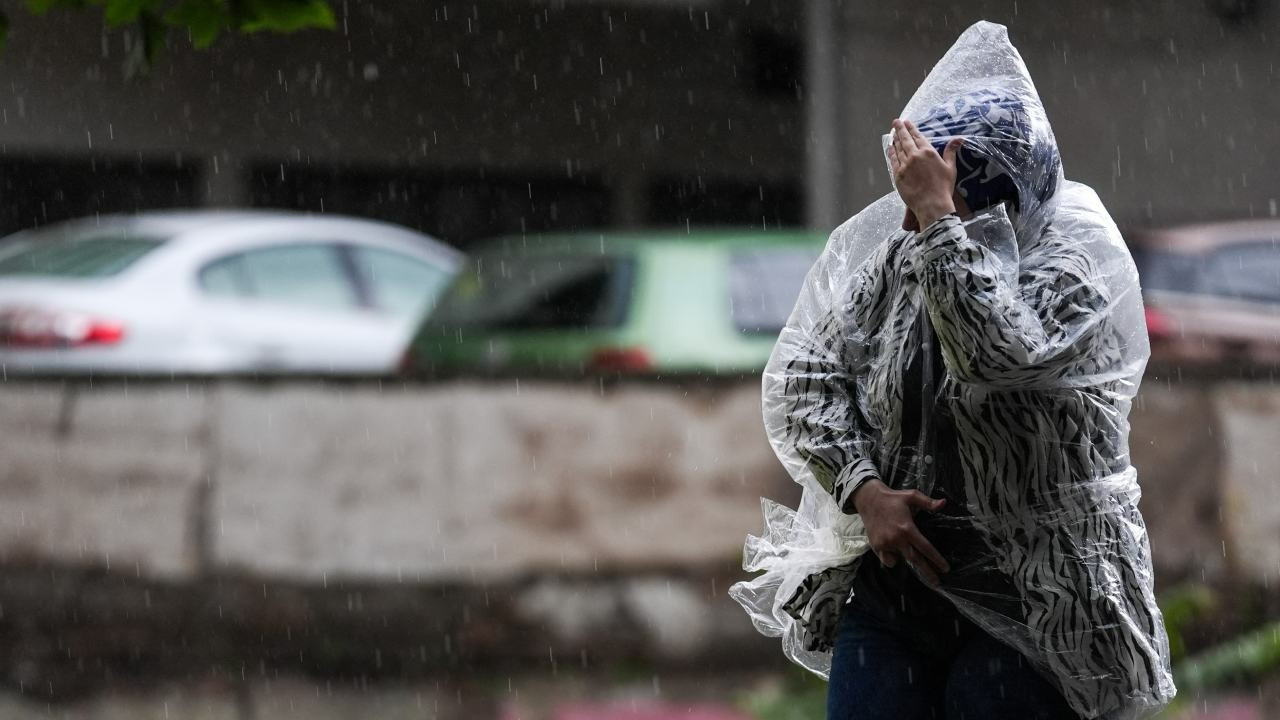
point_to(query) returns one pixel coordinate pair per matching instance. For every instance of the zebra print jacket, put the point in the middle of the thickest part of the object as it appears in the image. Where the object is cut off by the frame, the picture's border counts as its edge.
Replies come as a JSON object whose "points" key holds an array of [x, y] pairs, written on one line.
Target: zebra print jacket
{"points": [[1041, 362], [1039, 319]]}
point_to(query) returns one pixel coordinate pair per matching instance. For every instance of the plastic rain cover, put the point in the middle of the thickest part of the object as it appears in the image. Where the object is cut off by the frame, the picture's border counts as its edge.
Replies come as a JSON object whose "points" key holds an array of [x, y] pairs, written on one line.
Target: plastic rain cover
{"points": [[1036, 308]]}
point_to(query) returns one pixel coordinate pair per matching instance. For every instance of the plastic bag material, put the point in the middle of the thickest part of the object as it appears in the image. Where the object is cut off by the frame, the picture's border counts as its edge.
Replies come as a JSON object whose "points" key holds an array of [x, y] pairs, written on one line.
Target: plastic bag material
{"points": [[1035, 305]]}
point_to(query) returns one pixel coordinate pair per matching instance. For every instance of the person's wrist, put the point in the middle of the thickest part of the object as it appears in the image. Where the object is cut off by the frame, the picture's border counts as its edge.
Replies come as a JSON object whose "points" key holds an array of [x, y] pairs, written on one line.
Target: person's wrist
{"points": [[930, 213], [863, 491]]}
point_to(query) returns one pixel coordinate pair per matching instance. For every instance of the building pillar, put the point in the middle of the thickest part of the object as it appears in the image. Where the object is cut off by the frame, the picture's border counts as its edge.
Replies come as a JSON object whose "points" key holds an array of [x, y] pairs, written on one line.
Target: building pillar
{"points": [[824, 147]]}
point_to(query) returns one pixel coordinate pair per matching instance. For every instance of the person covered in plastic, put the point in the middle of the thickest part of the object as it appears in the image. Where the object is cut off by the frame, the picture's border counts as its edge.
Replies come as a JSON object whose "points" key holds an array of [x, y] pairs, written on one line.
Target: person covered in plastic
{"points": [[952, 391]]}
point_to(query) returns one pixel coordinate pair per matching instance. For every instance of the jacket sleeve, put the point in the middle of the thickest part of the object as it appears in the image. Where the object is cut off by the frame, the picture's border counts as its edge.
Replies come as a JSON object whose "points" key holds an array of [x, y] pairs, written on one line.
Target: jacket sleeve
{"points": [[811, 395], [1036, 325]]}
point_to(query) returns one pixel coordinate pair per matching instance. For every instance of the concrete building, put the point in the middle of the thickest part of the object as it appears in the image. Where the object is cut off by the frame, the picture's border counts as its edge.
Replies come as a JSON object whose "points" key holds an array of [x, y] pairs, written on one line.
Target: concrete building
{"points": [[467, 119]]}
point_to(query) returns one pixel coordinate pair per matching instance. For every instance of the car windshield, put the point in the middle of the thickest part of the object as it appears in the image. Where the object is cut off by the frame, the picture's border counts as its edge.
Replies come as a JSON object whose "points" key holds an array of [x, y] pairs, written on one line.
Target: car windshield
{"points": [[763, 286], [1247, 271], [1243, 271], [1171, 271], [538, 293], [58, 253]]}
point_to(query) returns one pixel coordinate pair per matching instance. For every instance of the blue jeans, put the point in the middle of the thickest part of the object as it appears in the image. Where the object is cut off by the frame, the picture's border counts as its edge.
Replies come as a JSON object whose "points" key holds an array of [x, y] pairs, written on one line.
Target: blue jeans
{"points": [[919, 659]]}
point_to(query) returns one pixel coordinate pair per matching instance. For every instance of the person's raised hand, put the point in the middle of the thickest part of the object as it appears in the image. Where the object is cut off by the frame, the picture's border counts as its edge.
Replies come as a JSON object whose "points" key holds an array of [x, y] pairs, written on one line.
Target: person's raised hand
{"points": [[925, 180], [887, 515]]}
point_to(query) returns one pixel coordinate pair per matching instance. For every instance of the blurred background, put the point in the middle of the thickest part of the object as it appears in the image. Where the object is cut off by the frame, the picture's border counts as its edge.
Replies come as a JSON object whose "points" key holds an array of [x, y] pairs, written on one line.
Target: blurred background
{"points": [[400, 358]]}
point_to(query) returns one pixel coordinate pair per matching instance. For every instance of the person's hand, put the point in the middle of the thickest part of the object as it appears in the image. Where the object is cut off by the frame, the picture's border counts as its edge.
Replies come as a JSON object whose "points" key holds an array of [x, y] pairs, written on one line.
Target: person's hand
{"points": [[925, 180], [886, 513]]}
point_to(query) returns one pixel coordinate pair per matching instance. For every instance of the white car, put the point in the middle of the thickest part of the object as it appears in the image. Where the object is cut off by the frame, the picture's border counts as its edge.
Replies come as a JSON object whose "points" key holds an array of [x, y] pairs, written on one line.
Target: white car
{"points": [[214, 292]]}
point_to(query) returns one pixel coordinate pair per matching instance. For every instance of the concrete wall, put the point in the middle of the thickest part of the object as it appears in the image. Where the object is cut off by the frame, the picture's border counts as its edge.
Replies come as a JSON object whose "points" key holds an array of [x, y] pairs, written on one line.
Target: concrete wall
{"points": [[617, 91], [466, 482], [305, 482], [1164, 108], [171, 530]]}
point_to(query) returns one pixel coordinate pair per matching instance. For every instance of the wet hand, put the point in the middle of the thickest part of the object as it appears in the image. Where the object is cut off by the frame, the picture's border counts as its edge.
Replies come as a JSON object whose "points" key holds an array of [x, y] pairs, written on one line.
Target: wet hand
{"points": [[925, 180], [887, 515]]}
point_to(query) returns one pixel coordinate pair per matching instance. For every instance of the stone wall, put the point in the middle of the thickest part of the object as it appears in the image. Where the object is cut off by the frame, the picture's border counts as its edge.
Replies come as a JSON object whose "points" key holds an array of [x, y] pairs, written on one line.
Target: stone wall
{"points": [[306, 481], [375, 529], [372, 482]]}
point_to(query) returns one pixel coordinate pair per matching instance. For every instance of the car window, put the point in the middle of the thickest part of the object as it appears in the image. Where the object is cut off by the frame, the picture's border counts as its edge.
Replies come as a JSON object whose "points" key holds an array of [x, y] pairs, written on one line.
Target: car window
{"points": [[1246, 272], [764, 285], [309, 276], [539, 293], [398, 282], [1175, 272], [53, 254], [225, 277]]}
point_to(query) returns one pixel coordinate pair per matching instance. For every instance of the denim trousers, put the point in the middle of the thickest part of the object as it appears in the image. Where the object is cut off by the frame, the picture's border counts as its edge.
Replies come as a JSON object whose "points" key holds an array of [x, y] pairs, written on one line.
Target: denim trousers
{"points": [[915, 657]]}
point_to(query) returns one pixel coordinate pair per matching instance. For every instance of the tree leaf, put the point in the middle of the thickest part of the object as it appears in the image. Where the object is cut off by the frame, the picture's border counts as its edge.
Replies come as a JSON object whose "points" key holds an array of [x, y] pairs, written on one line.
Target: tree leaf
{"points": [[204, 19], [285, 15], [40, 7], [123, 12]]}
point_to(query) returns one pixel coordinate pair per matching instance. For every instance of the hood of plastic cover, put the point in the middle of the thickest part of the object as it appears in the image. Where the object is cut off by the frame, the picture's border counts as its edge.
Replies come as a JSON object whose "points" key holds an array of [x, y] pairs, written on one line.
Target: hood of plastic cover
{"points": [[1036, 308], [981, 92]]}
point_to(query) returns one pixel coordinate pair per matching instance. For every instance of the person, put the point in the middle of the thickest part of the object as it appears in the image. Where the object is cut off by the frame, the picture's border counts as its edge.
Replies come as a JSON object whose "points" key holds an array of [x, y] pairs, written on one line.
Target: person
{"points": [[952, 392]]}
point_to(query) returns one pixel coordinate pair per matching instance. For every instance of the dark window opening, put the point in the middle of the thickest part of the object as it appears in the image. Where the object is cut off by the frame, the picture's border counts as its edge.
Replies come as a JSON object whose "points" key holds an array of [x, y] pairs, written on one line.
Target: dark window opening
{"points": [[458, 208], [776, 62], [684, 202], [38, 191]]}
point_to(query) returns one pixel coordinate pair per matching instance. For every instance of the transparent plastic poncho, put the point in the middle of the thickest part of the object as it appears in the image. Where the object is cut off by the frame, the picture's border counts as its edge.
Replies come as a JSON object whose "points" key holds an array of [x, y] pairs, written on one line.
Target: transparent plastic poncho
{"points": [[1036, 308]]}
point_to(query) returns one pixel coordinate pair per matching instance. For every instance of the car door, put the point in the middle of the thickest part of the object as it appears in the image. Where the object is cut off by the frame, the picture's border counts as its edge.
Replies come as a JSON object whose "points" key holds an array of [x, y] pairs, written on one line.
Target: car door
{"points": [[1245, 281], [293, 307]]}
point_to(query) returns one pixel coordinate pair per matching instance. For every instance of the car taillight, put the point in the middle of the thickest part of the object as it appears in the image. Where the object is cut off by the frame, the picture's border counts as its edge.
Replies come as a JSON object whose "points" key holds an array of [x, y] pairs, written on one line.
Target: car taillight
{"points": [[620, 359], [1158, 325], [36, 328]]}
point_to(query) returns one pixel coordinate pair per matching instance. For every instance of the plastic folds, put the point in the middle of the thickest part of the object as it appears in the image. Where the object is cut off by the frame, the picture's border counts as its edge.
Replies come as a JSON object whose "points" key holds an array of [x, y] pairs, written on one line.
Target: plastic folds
{"points": [[1035, 306]]}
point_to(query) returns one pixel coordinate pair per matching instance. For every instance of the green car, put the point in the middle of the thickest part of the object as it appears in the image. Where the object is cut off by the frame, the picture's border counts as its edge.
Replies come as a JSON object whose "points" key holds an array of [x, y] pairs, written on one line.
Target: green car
{"points": [[643, 303]]}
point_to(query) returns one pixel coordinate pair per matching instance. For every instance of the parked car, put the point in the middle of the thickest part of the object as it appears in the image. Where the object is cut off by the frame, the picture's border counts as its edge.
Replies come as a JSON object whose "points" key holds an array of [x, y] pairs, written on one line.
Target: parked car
{"points": [[1212, 292], [212, 292], [710, 302]]}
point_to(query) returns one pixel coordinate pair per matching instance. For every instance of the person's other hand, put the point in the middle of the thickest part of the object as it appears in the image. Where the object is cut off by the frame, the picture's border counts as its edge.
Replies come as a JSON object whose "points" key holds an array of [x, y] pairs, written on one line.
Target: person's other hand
{"points": [[925, 180], [887, 515]]}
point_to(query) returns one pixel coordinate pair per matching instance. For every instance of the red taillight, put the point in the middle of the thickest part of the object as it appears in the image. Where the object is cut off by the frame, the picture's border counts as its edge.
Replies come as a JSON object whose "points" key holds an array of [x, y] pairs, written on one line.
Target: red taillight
{"points": [[620, 359], [35, 328], [1158, 325]]}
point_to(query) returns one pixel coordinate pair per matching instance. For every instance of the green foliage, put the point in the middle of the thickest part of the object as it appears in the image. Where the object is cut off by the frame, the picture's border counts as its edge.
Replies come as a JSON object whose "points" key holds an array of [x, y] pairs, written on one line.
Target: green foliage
{"points": [[1181, 607], [1247, 657], [798, 695], [286, 15], [203, 20], [123, 12]]}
